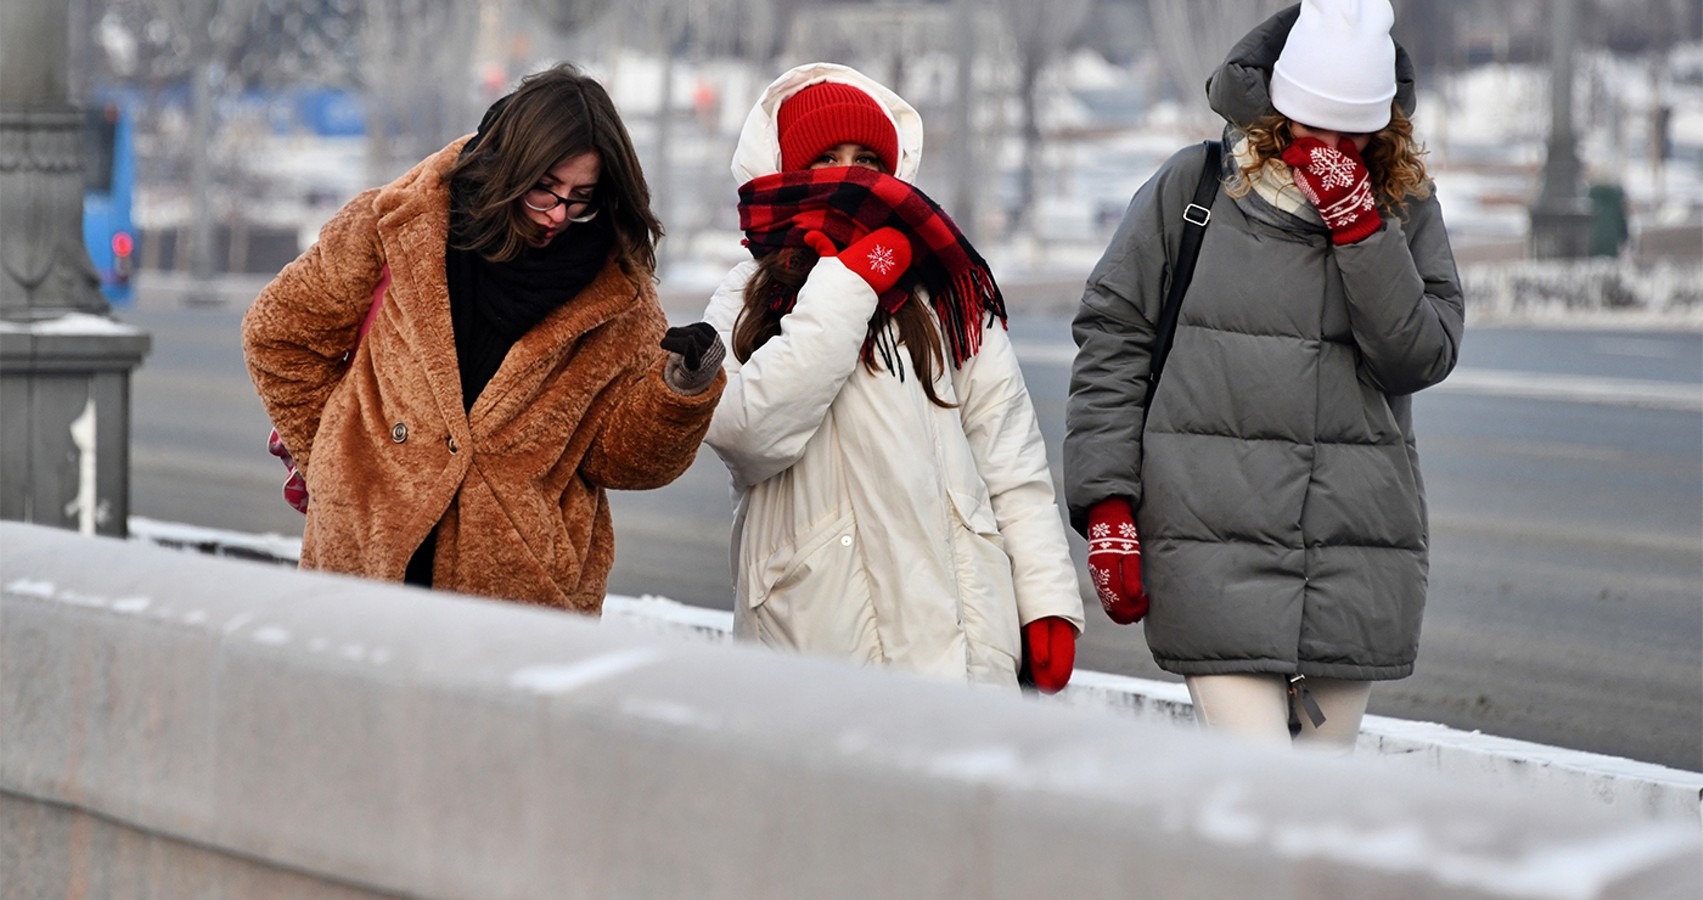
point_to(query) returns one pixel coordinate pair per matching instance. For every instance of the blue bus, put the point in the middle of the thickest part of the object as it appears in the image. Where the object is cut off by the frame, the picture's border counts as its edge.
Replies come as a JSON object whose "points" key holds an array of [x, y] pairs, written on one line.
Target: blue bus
{"points": [[109, 180]]}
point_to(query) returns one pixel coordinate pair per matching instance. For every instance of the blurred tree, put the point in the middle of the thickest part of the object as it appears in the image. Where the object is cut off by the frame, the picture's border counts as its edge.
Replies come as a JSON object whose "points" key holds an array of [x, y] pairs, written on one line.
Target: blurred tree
{"points": [[883, 40], [1650, 31], [675, 32], [217, 49], [255, 43], [198, 41], [766, 24], [1192, 37], [569, 15], [1041, 32], [416, 65], [296, 42], [417, 85], [1426, 29], [1635, 29], [1117, 30]]}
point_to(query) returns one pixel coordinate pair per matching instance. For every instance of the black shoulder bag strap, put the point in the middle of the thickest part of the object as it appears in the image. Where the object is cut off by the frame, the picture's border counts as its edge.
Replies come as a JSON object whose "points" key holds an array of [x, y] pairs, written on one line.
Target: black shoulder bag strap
{"points": [[1195, 217]]}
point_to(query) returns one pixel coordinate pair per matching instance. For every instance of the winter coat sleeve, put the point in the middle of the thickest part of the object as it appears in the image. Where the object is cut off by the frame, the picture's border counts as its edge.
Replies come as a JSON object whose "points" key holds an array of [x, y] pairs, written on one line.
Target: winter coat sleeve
{"points": [[297, 331], [651, 433], [1011, 457], [776, 400], [1114, 329], [1404, 300]]}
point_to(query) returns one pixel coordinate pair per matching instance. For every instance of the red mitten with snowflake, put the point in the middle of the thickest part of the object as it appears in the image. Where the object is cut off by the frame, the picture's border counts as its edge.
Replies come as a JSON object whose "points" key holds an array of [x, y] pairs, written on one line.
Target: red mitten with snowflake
{"points": [[878, 257], [1114, 560], [1049, 653], [1335, 181]]}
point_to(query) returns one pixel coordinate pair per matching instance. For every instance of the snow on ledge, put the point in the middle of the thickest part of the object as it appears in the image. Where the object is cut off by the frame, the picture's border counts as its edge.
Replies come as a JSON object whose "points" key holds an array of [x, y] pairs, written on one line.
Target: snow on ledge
{"points": [[1657, 792], [71, 324], [216, 541]]}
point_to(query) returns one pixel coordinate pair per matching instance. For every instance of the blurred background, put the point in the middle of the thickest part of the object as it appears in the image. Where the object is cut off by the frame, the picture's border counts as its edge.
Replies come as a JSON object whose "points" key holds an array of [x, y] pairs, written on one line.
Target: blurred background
{"points": [[227, 131]]}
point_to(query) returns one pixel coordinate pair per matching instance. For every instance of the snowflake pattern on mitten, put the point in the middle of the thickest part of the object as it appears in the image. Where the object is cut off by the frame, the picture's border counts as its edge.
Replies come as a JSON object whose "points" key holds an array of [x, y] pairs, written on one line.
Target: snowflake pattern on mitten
{"points": [[1106, 550], [1335, 181], [881, 259], [1333, 168]]}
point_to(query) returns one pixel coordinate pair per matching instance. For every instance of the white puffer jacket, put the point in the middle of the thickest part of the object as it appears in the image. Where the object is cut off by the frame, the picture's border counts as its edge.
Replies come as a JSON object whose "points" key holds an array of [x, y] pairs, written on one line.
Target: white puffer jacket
{"points": [[872, 524]]}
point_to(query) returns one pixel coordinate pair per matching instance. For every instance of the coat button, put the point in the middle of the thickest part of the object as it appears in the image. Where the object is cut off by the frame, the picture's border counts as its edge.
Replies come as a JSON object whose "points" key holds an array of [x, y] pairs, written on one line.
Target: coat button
{"points": [[845, 540], [453, 446], [399, 432]]}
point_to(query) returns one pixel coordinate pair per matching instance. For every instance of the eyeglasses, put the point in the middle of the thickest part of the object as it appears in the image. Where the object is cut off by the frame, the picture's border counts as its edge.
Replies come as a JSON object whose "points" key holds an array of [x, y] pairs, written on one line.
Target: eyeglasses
{"points": [[542, 199]]}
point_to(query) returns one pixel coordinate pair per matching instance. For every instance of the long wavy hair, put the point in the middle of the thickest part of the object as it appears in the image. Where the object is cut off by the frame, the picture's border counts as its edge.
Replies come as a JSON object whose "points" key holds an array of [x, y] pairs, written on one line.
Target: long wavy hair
{"points": [[1395, 160], [555, 115], [782, 273]]}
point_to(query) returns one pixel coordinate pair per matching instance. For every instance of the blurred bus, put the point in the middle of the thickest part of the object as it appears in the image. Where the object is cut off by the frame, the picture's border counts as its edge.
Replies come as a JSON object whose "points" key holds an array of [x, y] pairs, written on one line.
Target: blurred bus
{"points": [[109, 180]]}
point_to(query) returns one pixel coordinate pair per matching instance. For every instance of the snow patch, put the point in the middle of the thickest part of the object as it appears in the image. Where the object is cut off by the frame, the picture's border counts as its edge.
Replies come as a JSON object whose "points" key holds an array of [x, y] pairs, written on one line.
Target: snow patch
{"points": [[71, 323], [31, 588], [552, 679]]}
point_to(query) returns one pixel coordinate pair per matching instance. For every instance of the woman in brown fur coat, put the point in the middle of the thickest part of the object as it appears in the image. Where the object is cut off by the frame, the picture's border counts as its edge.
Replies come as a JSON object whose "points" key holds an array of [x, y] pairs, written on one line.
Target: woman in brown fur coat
{"points": [[518, 367]]}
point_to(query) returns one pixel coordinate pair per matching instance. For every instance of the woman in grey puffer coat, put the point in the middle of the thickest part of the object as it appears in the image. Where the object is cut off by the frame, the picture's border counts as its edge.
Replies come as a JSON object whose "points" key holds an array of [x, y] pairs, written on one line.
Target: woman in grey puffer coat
{"points": [[1274, 485]]}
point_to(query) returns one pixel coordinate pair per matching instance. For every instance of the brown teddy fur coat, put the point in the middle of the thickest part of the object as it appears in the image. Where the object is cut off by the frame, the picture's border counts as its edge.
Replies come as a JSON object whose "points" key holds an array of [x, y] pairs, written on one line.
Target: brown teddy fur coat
{"points": [[516, 486]]}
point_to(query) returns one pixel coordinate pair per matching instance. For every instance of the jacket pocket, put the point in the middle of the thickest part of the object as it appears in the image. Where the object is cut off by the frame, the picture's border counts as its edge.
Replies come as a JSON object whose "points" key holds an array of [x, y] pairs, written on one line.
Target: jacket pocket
{"points": [[987, 590], [977, 515], [811, 594]]}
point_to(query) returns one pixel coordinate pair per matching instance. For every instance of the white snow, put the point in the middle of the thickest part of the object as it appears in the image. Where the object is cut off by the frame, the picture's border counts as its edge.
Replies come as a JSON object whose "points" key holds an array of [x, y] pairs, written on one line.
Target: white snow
{"points": [[70, 324], [553, 678], [271, 635], [177, 534]]}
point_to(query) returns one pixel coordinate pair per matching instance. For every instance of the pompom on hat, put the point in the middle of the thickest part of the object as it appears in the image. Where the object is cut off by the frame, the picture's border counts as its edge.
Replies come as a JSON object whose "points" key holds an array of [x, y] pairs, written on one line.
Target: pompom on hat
{"points": [[1337, 67], [827, 114]]}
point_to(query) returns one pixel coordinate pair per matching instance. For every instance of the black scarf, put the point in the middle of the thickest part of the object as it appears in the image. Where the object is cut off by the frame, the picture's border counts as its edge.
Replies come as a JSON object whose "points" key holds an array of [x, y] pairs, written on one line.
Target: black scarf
{"points": [[493, 304]]}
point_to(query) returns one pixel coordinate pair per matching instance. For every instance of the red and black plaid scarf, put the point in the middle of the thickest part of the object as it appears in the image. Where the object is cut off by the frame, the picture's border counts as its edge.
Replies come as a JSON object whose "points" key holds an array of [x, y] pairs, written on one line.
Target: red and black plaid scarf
{"points": [[848, 202]]}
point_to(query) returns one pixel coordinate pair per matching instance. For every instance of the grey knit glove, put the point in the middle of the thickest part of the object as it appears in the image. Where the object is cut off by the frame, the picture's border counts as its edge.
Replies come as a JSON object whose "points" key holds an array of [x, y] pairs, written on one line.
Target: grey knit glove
{"points": [[695, 353]]}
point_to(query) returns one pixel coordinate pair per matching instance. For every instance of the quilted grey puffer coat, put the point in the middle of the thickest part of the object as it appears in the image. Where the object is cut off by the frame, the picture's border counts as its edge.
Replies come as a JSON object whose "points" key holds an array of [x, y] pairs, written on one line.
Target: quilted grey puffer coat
{"points": [[1276, 477]]}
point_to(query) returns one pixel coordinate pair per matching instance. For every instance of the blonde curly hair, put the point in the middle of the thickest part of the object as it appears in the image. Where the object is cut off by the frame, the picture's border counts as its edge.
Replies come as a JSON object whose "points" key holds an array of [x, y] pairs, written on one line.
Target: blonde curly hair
{"points": [[1395, 160]]}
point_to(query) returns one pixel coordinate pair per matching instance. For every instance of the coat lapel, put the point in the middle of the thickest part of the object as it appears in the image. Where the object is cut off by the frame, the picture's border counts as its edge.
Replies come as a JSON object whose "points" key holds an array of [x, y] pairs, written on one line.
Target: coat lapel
{"points": [[413, 227]]}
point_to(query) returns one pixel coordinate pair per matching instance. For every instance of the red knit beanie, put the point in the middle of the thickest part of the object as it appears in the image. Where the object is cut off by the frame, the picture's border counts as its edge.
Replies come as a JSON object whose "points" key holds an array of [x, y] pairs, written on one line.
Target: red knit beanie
{"points": [[827, 114]]}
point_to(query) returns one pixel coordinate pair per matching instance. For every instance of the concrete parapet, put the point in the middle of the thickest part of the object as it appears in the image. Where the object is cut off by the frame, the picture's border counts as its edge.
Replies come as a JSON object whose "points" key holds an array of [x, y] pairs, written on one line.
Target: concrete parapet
{"points": [[1570, 776], [273, 729]]}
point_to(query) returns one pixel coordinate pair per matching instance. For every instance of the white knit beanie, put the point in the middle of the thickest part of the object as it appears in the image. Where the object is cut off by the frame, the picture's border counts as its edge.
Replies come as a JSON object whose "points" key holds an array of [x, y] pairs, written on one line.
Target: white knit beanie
{"points": [[1337, 70]]}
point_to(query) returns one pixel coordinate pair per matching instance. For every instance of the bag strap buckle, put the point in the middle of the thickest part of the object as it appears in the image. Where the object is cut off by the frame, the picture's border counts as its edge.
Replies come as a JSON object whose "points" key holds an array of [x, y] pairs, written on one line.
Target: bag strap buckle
{"points": [[1195, 214]]}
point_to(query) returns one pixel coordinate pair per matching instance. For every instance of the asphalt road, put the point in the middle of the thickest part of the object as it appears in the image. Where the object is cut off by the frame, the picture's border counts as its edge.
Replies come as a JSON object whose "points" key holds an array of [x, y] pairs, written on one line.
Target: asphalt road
{"points": [[1564, 469]]}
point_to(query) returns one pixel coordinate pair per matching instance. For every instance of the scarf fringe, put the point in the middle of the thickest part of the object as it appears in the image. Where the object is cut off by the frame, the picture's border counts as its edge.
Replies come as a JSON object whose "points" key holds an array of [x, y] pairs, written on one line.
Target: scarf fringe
{"points": [[971, 295], [882, 340], [971, 304]]}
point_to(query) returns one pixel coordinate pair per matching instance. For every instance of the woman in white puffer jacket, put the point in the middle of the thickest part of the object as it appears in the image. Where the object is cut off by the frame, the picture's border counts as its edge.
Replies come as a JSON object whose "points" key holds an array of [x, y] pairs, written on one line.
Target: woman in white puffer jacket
{"points": [[895, 505]]}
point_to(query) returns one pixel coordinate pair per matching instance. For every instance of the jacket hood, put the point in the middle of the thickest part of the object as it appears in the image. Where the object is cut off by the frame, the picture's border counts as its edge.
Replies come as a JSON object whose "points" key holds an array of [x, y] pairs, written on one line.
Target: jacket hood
{"points": [[759, 150], [1240, 88]]}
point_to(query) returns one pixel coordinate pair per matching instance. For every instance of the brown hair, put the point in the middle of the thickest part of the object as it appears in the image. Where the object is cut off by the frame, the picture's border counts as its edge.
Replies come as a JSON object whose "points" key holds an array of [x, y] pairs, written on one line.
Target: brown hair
{"points": [[1394, 159], [782, 273], [555, 115]]}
